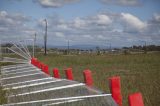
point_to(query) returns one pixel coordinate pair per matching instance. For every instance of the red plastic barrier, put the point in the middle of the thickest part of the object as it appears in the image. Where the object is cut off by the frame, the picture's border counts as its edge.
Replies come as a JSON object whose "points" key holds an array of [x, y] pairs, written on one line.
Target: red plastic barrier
{"points": [[40, 65], [115, 87], [135, 99], [37, 63], [69, 74], [33, 60], [56, 73], [45, 69], [88, 77]]}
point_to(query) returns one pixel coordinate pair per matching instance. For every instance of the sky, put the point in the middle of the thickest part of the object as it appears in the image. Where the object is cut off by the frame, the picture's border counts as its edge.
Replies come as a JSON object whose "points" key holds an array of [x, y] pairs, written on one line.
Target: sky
{"points": [[82, 22]]}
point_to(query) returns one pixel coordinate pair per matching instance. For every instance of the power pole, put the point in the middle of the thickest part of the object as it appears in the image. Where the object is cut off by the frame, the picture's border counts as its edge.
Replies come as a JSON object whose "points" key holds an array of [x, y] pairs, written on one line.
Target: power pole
{"points": [[145, 47], [45, 39], [68, 47], [34, 40], [0, 51], [110, 47]]}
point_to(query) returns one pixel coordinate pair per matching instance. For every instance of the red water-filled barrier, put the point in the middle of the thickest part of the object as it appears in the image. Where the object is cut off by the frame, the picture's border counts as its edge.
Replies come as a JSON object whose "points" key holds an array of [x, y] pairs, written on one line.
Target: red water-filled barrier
{"points": [[33, 61], [115, 88], [135, 99], [69, 74], [56, 73], [40, 65], [88, 77]]}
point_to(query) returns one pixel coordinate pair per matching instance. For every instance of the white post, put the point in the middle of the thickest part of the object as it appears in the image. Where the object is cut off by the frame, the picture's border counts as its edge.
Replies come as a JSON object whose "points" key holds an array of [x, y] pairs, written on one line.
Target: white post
{"points": [[33, 46]]}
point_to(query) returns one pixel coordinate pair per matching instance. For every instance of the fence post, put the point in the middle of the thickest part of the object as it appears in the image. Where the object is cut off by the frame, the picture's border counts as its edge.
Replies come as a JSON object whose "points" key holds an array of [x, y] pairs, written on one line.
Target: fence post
{"points": [[88, 77], [135, 99], [69, 74], [56, 73], [115, 88]]}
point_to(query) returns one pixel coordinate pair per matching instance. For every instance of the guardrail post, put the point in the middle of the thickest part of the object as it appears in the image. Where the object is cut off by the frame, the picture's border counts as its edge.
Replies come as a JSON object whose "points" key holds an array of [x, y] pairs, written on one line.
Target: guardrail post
{"points": [[56, 73], [135, 99], [69, 74], [115, 88], [88, 77]]}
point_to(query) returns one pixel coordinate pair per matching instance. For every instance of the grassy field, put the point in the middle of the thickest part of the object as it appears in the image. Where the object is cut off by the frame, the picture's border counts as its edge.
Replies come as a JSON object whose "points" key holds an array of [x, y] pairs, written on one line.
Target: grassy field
{"points": [[139, 73]]}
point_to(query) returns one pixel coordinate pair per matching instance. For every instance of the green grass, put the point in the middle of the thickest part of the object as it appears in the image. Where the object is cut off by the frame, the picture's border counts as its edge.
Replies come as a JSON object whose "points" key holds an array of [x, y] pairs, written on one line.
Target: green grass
{"points": [[3, 93], [139, 73]]}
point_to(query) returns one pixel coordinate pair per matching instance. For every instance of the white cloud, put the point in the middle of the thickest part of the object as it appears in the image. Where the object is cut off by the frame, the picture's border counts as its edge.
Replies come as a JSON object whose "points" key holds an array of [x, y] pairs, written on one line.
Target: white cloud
{"points": [[12, 19], [3, 14], [118, 28], [157, 17], [14, 24], [78, 23], [87, 36], [55, 3], [101, 37], [59, 34], [62, 26], [103, 19], [123, 28], [123, 2], [133, 22]]}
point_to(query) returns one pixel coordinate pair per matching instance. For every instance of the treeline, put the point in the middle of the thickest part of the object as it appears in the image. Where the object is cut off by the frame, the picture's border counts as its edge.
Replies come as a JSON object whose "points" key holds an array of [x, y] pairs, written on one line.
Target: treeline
{"points": [[134, 47], [145, 48]]}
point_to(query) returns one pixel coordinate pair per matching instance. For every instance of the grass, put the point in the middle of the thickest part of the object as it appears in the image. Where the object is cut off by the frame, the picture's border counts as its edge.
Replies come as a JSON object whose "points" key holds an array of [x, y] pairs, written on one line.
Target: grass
{"points": [[3, 93], [139, 72]]}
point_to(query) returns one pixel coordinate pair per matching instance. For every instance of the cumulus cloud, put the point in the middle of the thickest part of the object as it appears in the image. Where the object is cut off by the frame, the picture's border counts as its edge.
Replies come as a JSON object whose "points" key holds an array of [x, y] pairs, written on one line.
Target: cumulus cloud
{"points": [[116, 28], [123, 2], [14, 25], [132, 23], [55, 3], [14, 19], [103, 19], [153, 27], [78, 23], [156, 18]]}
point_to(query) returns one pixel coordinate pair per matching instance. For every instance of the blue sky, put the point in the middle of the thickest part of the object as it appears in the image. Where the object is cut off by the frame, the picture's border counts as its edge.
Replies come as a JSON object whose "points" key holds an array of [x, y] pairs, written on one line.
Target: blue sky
{"points": [[94, 22]]}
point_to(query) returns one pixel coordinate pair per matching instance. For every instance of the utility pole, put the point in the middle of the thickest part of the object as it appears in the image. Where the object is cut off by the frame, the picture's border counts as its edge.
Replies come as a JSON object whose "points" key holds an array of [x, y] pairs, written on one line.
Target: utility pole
{"points": [[34, 41], [68, 47], [145, 47], [45, 39], [35, 36], [110, 47], [0, 51]]}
